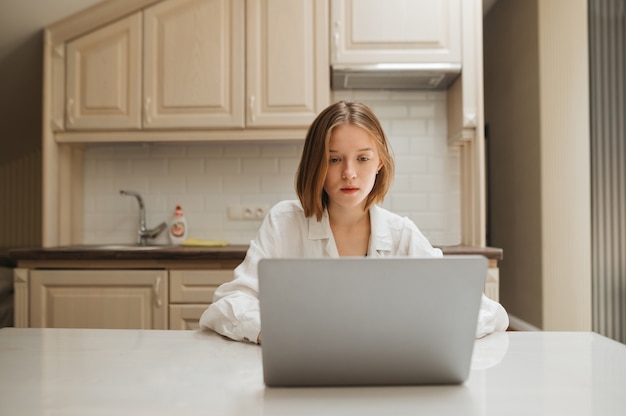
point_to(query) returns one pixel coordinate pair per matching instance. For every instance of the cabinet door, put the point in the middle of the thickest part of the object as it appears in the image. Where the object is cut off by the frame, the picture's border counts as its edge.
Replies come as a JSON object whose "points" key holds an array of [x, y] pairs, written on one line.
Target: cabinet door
{"points": [[191, 292], [127, 299], [186, 316], [193, 64], [288, 80], [396, 31], [196, 286], [103, 77]]}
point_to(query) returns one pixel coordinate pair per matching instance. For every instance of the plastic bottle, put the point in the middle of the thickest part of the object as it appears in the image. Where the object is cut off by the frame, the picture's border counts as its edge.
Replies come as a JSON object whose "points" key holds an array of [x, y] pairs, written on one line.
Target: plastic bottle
{"points": [[178, 227]]}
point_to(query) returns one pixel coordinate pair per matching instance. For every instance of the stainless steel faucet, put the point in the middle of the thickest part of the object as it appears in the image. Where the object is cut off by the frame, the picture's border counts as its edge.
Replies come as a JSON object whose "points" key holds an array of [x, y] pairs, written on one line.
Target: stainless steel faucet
{"points": [[143, 234]]}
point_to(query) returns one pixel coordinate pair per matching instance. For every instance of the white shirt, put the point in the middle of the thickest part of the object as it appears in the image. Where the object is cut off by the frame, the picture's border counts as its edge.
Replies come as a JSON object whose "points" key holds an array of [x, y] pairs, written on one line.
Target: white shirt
{"points": [[286, 232]]}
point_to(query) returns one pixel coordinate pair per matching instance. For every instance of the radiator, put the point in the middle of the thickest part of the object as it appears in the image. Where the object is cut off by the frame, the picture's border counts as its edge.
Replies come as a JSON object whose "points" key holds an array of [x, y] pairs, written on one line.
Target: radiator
{"points": [[607, 58]]}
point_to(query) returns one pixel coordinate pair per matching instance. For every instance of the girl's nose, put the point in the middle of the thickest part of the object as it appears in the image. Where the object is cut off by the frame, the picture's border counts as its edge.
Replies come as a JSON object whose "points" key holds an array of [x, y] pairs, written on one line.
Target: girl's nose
{"points": [[348, 171]]}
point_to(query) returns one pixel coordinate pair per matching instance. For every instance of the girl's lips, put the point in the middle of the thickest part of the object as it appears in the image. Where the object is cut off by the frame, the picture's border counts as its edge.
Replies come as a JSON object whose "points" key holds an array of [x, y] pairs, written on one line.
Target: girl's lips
{"points": [[349, 190]]}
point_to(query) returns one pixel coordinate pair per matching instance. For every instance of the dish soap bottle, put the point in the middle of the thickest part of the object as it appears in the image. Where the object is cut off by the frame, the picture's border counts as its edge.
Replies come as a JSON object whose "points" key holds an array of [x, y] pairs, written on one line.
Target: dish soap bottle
{"points": [[178, 227]]}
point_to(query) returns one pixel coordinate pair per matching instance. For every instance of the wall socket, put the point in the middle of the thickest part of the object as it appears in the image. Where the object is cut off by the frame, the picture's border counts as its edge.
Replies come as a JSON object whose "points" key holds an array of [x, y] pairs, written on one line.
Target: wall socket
{"points": [[247, 211]]}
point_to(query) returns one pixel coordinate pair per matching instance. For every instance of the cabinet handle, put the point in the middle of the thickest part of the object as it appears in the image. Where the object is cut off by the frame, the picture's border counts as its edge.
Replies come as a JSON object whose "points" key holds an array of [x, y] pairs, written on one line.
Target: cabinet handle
{"points": [[146, 111], [157, 295], [251, 109], [69, 108]]}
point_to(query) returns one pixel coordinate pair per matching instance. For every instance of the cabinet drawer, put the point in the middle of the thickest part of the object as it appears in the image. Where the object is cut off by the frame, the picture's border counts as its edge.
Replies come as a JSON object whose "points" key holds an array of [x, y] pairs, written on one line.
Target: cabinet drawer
{"points": [[186, 316], [196, 286]]}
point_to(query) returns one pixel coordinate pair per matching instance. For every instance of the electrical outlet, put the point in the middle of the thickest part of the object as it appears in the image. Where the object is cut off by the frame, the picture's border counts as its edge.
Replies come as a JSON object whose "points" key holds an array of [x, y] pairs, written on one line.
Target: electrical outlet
{"points": [[248, 212], [260, 211]]}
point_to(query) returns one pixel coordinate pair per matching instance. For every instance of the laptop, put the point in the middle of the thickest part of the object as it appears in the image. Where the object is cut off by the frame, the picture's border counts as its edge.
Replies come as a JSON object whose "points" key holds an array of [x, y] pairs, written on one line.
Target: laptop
{"points": [[369, 321]]}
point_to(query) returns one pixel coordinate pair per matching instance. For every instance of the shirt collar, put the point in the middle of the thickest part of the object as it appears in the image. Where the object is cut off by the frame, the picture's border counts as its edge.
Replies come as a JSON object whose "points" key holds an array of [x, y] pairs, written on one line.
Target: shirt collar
{"points": [[319, 230], [380, 237]]}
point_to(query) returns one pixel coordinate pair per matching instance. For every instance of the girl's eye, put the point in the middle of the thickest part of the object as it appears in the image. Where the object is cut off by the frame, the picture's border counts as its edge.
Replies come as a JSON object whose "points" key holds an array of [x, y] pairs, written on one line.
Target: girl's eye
{"points": [[334, 160], [364, 159]]}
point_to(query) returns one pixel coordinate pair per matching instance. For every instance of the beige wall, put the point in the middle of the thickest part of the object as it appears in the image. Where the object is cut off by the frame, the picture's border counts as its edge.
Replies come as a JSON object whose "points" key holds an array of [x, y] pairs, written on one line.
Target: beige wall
{"points": [[537, 109], [512, 113]]}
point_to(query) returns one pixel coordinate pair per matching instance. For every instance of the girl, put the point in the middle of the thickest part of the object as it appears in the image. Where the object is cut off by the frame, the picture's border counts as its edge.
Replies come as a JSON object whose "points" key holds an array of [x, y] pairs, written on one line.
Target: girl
{"points": [[346, 168]]}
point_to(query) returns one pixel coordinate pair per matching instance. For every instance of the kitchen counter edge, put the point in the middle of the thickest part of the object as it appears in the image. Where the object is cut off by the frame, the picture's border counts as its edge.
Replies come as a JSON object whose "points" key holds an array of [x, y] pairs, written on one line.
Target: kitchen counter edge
{"points": [[230, 252]]}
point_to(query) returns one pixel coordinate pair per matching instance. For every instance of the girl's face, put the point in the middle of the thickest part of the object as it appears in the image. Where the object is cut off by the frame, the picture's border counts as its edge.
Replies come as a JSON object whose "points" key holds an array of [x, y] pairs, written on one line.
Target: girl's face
{"points": [[352, 166]]}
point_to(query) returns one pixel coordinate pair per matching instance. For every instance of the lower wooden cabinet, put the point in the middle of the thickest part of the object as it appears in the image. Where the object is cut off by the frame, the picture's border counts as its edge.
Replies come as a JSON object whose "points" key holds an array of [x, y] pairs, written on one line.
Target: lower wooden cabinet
{"points": [[191, 292], [186, 316], [127, 299], [112, 298]]}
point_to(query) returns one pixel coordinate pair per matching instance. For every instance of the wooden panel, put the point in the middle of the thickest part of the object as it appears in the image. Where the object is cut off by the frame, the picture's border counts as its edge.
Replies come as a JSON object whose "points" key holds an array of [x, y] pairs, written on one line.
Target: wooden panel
{"points": [[20, 284], [288, 81], [70, 195], [164, 136], [196, 286], [103, 77], [193, 62], [184, 317], [492, 283], [94, 16], [20, 205], [130, 299], [54, 86], [393, 31]]}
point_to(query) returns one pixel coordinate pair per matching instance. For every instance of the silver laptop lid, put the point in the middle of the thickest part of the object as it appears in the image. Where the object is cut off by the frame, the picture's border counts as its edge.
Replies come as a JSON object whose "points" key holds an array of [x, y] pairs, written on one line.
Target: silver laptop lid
{"points": [[369, 321]]}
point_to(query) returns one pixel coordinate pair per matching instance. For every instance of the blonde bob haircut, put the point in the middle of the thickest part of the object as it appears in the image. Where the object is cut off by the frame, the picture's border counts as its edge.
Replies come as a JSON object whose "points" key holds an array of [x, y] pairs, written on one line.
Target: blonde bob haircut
{"points": [[313, 166]]}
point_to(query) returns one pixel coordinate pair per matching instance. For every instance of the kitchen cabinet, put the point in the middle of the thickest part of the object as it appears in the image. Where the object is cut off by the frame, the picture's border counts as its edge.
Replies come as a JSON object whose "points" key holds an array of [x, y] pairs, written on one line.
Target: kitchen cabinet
{"points": [[147, 71], [121, 299], [103, 87], [177, 64], [191, 292], [125, 288], [193, 64], [154, 289], [202, 64], [395, 31], [287, 78]]}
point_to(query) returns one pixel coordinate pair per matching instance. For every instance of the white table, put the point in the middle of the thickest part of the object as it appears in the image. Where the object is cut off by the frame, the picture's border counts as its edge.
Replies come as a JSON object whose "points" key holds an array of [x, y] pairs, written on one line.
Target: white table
{"points": [[147, 372]]}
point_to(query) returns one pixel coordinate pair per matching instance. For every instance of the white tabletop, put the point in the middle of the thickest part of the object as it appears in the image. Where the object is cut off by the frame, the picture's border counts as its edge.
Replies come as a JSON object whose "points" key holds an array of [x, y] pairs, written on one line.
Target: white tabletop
{"points": [[137, 372]]}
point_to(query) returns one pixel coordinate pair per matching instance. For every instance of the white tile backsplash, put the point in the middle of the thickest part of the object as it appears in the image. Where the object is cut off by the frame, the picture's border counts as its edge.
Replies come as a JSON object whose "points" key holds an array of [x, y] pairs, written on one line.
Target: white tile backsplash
{"points": [[205, 178]]}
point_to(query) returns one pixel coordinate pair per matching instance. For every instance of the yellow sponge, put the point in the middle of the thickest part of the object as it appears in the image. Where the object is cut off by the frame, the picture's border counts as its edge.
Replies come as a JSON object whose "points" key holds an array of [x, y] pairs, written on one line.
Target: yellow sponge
{"points": [[196, 242]]}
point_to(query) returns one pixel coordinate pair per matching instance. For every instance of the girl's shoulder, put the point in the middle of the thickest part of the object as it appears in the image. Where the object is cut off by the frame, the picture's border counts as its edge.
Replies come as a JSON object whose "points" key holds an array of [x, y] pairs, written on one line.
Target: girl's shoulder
{"points": [[285, 213], [391, 219], [286, 207]]}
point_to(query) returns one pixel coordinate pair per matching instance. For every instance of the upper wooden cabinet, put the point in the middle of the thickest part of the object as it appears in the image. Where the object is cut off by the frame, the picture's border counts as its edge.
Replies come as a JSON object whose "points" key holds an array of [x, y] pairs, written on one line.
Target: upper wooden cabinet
{"points": [[288, 81], [193, 64], [202, 64], [104, 77], [395, 31]]}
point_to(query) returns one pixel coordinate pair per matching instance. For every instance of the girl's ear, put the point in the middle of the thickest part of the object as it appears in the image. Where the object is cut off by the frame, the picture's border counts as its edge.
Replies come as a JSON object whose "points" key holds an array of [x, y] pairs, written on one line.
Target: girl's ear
{"points": [[380, 165]]}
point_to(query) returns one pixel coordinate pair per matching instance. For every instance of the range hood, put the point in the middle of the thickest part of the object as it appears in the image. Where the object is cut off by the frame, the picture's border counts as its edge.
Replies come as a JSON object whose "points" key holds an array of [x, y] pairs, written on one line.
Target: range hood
{"points": [[434, 77]]}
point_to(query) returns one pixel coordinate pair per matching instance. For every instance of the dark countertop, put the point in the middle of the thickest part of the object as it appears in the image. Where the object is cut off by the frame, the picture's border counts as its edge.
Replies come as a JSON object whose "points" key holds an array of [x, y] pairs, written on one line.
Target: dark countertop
{"points": [[172, 253], [492, 253]]}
